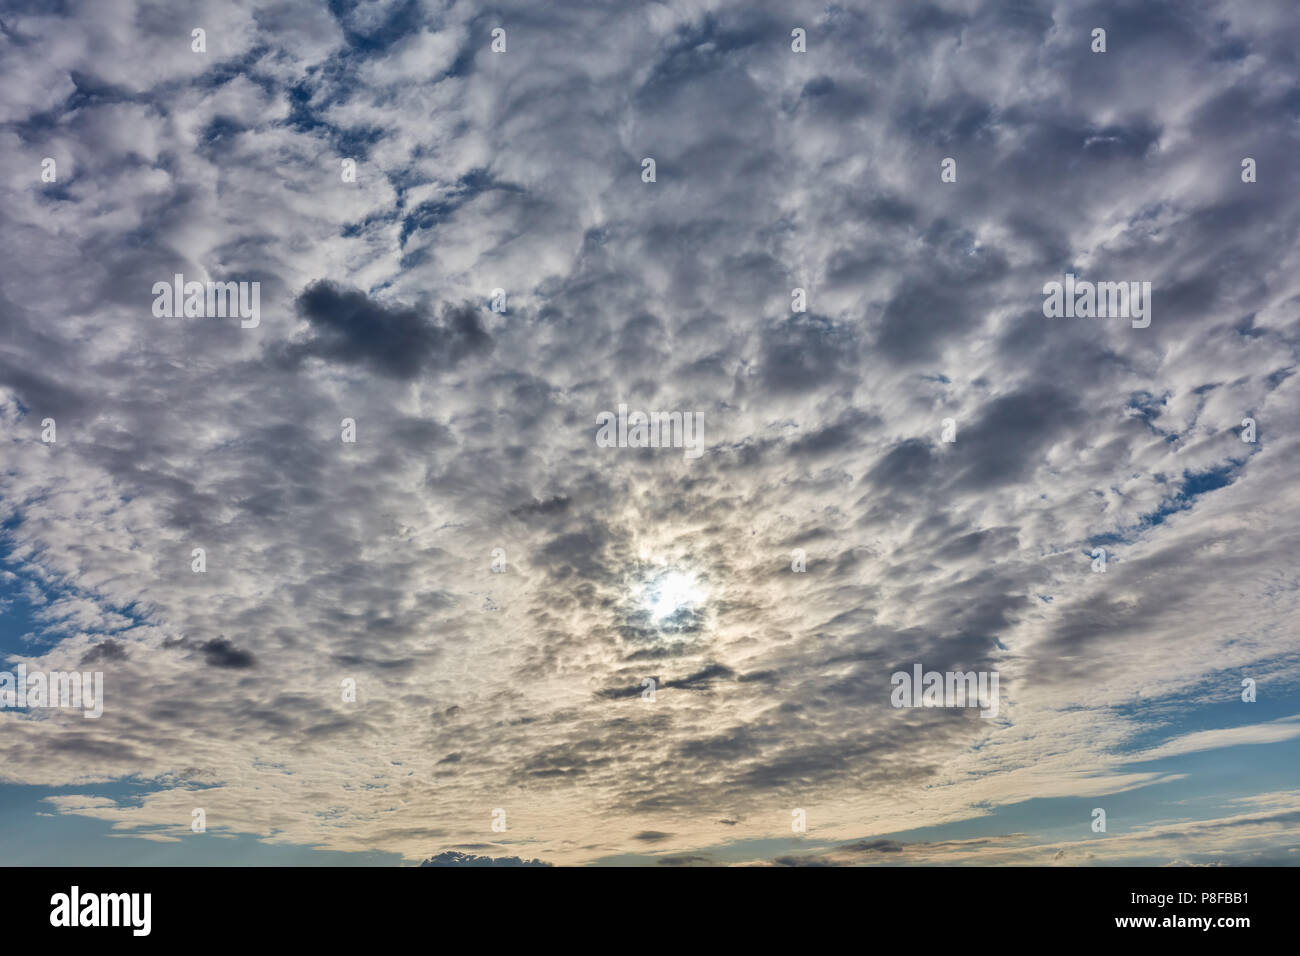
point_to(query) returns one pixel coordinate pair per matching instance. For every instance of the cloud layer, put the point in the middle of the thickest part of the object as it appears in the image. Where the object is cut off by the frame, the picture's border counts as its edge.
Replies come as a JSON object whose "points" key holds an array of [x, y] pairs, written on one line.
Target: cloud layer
{"points": [[523, 688]]}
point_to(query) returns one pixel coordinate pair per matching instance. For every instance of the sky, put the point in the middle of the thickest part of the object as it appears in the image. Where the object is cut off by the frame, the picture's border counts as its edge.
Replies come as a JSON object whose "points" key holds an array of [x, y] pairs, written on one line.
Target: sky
{"points": [[440, 614]]}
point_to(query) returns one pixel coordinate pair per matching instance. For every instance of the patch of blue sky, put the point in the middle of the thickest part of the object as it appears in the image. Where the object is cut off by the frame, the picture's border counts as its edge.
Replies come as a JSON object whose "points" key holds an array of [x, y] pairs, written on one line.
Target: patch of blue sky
{"points": [[23, 633], [34, 833], [1194, 485]]}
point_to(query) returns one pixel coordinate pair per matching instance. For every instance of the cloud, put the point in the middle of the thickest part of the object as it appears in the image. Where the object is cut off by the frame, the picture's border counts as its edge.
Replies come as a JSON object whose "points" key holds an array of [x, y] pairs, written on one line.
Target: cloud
{"points": [[355, 671], [220, 652], [456, 858], [348, 327]]}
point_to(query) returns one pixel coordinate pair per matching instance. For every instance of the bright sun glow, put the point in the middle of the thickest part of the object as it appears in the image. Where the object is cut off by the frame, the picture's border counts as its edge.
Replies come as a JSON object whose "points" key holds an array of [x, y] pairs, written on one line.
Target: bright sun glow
{"points": [[670, 593]]}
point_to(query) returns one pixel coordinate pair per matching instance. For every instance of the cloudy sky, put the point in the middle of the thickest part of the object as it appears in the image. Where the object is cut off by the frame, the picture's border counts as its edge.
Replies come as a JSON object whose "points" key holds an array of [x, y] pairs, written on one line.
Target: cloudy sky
{"points": [[370, 563]]}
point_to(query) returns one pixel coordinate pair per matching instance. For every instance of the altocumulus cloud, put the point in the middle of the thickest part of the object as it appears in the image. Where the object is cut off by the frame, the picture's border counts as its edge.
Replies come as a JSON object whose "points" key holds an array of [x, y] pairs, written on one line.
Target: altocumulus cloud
{"points": [[376, 561]]}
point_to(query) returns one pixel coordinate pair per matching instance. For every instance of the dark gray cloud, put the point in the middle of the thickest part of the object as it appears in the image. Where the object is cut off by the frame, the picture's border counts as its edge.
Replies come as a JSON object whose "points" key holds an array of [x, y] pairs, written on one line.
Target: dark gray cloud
{"points": [[348, 327], [105, 651], [220, 652], [457, 858]]}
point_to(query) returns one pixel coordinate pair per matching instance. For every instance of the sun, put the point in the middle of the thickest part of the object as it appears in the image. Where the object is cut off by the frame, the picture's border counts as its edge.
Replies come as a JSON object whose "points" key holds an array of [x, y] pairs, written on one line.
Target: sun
{"points": [[671, 593]]}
